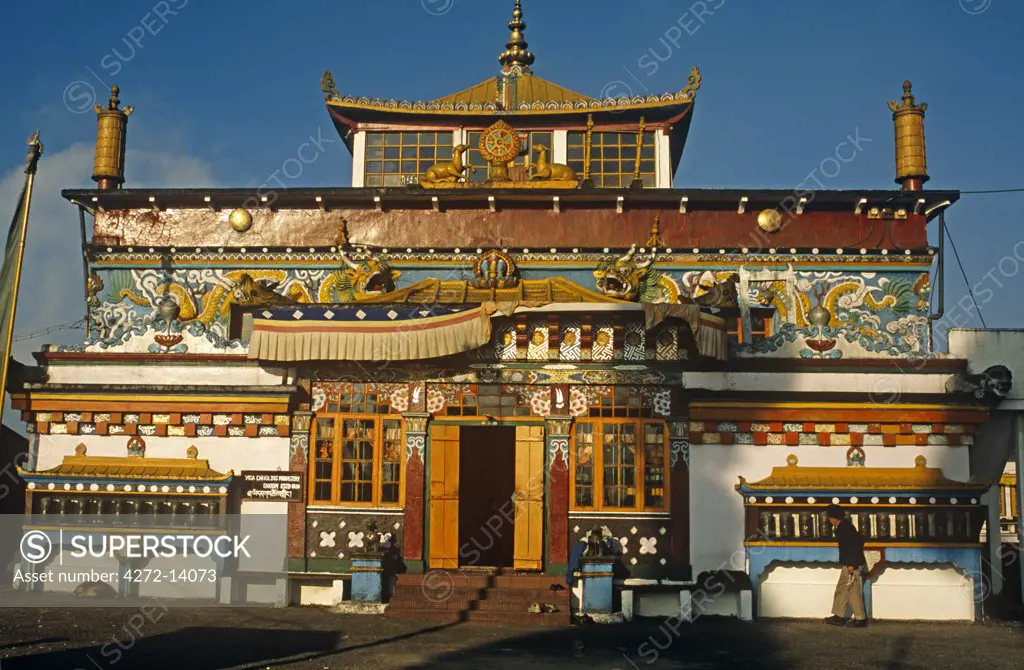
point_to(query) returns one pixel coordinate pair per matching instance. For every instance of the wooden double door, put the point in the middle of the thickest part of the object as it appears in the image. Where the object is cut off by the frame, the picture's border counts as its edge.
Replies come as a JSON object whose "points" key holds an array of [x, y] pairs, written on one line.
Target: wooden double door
{"points": [[486, 497]]}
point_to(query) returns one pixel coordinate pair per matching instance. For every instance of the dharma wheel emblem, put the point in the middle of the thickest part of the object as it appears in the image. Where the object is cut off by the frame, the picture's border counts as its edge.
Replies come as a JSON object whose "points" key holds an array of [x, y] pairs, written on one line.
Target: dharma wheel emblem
{"points": [[500, 143]]}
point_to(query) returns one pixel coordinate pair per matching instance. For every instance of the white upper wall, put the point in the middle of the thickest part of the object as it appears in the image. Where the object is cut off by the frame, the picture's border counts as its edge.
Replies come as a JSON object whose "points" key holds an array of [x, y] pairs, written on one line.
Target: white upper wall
{"points": [[192, 375], [984, 348]]}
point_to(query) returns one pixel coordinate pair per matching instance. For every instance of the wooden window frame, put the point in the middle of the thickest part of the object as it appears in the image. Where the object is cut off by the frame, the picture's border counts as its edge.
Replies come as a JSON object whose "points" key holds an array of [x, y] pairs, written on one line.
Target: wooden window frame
{"points": [[422, 164], [378, 460], [626, 140], [597, 460]]}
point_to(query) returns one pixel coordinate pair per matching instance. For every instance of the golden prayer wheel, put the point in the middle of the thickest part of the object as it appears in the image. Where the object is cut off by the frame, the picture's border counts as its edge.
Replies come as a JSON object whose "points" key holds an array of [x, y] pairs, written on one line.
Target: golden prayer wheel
{"points": [[911, 158], [112, 120]]}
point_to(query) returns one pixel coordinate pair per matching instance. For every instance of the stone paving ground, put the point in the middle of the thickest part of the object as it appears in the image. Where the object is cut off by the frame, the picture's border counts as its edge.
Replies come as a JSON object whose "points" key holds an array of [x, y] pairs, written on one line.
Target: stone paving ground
{"points": [[316, 639]]}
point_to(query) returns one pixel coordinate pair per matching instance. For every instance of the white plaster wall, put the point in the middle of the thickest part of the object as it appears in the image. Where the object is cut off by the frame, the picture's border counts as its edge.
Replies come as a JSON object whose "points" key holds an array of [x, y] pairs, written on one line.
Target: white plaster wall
{"points": [[715, 604], [927, 593], [881, 387], [359, 160], [663, 155], [560, 150], [716, 513], [194, 586], [985, 348], [205, 375], [223, 453], [798, 592], [656, 604]]}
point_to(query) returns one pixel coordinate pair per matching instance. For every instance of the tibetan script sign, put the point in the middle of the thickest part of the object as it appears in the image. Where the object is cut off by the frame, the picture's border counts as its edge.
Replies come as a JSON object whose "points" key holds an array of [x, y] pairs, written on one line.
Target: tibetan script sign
{"points": [[272, 486]]}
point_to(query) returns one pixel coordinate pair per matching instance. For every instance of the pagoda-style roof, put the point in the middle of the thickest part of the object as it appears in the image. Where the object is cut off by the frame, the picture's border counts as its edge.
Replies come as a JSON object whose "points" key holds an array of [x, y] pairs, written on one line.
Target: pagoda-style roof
{"points": [[134, 468], [530, 90], [513, 92], [792, 477]]}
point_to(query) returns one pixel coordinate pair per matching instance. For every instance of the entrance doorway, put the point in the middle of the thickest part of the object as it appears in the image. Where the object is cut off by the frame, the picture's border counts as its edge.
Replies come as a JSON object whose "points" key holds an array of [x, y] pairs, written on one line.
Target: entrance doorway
{"points": [[487, 474]]}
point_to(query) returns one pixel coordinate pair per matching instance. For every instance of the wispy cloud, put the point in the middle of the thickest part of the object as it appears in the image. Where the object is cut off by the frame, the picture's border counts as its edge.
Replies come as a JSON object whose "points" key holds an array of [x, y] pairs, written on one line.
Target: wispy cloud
{"points": [[52, 284]]}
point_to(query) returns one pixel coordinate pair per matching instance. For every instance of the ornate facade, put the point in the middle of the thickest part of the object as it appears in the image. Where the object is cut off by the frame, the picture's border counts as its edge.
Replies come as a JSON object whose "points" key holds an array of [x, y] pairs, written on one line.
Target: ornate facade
{"points": [[512, 304]]}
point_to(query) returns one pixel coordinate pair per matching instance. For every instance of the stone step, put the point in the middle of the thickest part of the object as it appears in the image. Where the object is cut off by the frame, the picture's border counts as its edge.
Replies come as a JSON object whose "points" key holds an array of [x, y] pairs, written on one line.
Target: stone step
{"points": [[517, 619], [415, 594], [460, 580]]}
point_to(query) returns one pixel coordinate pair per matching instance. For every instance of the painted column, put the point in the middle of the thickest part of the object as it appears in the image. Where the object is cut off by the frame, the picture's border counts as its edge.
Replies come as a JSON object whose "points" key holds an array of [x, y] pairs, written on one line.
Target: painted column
{"points": [[298, 461], [415, 454], [557, 438], [679, 481]]}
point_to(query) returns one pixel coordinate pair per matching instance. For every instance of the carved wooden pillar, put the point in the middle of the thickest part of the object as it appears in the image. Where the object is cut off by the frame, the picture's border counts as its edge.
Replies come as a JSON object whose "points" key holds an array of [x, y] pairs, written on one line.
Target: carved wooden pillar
{"points": [[557, 439], [679, 446], [415, 492], [298, 461]]}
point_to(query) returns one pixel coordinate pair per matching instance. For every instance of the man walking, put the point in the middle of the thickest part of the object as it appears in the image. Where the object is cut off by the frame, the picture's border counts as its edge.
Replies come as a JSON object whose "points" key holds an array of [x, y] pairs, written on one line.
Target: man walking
{"points": [[850, 589]]}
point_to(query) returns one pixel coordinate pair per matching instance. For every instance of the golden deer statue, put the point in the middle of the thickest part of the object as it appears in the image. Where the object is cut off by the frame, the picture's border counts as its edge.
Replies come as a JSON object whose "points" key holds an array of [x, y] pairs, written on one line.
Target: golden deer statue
{"points": [[543, 170], [448, 173]]}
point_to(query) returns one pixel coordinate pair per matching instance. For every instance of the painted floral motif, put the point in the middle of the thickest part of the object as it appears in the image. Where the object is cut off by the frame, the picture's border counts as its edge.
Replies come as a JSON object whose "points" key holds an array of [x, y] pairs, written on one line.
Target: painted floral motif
{"points": [[648, 545], [355, 539], [327, 539]]}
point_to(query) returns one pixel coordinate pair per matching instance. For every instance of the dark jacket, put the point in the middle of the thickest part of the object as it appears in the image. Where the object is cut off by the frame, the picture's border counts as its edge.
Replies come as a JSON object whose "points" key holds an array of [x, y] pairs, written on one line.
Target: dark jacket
{"points": [[851, 544], [575, 560]]}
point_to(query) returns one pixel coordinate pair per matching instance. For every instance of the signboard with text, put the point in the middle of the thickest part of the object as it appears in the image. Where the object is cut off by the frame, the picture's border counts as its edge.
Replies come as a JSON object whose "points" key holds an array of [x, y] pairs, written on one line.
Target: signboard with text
{"points": [[272, 486]]}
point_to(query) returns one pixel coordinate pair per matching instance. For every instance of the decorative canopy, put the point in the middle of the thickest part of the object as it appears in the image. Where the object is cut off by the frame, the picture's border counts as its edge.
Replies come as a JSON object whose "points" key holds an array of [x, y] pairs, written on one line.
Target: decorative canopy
{"points": [[792, 477], [394, 331]]}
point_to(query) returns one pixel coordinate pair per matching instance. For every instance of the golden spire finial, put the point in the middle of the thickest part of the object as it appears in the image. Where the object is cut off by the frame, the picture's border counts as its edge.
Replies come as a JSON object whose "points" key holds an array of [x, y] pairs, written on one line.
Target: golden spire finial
{"points": [[516, 53]]}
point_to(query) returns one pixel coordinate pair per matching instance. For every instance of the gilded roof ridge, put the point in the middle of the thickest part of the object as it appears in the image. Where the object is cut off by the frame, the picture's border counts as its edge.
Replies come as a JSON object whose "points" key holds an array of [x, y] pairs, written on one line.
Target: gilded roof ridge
{"points": [[453, 103]]}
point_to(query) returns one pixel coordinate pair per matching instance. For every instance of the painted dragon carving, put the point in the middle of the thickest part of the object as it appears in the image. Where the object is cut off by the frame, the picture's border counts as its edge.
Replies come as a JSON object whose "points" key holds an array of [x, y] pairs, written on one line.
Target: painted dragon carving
{"points": [[372, 277], [624, 277]]}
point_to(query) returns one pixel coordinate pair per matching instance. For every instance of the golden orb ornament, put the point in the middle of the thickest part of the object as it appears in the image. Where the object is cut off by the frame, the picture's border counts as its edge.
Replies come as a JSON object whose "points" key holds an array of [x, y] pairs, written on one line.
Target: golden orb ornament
{"points": [[240, 220], [770, 220]]}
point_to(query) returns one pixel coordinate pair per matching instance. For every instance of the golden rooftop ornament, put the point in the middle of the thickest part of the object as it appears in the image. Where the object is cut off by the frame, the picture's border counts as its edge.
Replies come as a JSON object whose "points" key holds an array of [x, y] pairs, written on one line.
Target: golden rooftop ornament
{"points": [[112, 120], [516, 53], [911, 157]]}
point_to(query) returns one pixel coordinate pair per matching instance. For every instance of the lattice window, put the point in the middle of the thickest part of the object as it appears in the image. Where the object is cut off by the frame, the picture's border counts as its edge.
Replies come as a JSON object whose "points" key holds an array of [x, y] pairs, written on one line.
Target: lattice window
{"points": [[607, 458], [393, 157], [357, 460], [622, 402], [490, 400], [355, 398], [613, 158]]}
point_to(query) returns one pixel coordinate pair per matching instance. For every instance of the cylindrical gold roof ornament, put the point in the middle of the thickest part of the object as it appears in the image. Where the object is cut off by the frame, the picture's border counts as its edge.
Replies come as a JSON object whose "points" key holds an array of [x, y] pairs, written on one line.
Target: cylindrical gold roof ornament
{"points": [[911, 159], [108, 170]]}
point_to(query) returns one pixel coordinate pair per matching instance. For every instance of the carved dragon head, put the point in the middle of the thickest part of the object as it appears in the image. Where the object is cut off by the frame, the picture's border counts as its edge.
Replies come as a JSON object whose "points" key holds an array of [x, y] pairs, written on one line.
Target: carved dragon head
{"points": [[250, 292], [623, 277], [371, 277]]}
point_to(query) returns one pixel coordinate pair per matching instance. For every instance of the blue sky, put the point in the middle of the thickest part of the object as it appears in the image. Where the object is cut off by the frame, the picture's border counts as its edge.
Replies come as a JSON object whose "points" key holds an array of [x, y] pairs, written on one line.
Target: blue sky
{"points": [[226, 91]]}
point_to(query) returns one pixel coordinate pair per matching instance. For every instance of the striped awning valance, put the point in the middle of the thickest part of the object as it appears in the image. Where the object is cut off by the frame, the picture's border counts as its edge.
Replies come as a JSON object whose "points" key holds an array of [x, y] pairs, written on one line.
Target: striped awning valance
{"points": [[402, 333]]}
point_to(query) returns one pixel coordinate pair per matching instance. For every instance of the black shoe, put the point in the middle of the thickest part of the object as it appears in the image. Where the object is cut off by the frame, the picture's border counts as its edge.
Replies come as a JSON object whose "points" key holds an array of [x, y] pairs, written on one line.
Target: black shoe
{"points": [[857, 623], [836, 621]]}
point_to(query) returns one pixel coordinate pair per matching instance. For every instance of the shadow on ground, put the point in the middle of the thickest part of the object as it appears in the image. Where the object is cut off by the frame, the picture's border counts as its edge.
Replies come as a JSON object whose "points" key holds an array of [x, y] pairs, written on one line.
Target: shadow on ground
{"points": [[709, 643], [192, 648]]}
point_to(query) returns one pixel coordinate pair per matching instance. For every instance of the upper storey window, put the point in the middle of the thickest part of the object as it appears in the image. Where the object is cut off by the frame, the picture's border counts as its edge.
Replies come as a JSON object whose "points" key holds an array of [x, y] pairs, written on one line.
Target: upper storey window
{"points": [[613, 158], [391, 158], [480, 168]]}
